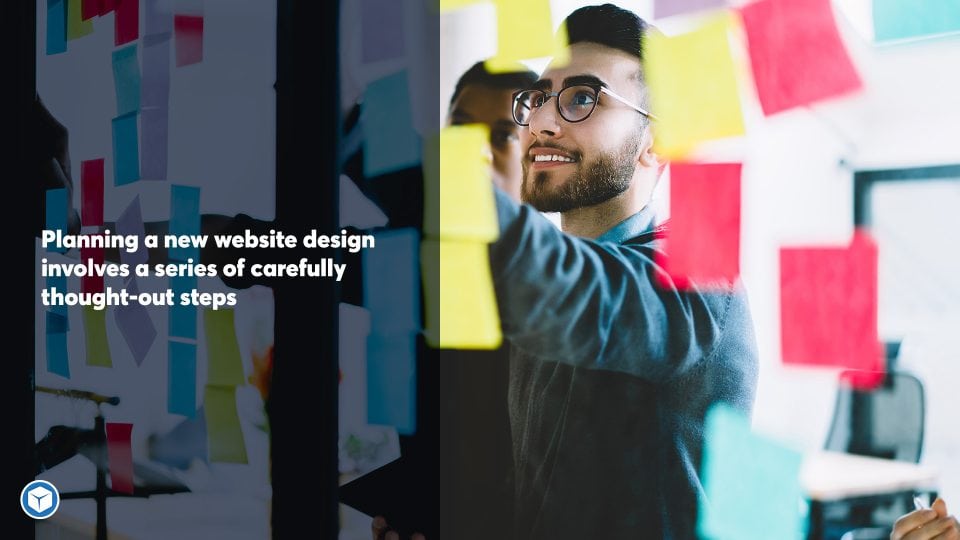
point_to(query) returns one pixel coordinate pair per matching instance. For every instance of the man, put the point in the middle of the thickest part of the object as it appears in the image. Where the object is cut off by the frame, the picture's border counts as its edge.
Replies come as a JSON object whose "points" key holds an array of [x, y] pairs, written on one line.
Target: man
{"points": [[612, 372]]}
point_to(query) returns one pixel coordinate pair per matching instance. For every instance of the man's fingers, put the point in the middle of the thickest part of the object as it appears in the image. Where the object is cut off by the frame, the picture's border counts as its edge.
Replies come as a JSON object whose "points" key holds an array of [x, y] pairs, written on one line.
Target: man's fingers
{"points": [[952, 532], [379, 526], [909, 523], [940, 506], [392, 535], [418, 536]]}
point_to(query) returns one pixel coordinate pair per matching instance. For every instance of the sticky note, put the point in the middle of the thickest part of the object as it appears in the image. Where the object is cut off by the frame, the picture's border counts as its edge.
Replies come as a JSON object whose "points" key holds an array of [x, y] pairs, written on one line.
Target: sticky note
{"points": [[154, 128], [356, 210], [446, 5], [903, 19], [828, 305], [693, 88], [703, 239], [60, 284], [130, 223], [224, 434], [462, 312], [182, 319], [752, 483], [155, 82], [126, 79], [182, 378], [89, 9], [188, 33], [391, 282], [462, 196], [126, 158], [57, 360], [120, 456], [126, 21], [106, 6], [391, 142], [57, 323], [223, 352], [135, 325], [392, 381], [56, 26], [76, 26], [666, 8], [182, 444], [91, 192], [95, 329], [91, 283], [157, 19], [381, 29], [56, 212], [525, 30], [185, 220], [808, 63]]}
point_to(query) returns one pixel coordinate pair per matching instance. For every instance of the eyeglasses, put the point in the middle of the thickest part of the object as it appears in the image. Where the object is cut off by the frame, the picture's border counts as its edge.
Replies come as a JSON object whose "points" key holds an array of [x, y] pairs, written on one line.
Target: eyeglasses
{"points": [[574, 103]]}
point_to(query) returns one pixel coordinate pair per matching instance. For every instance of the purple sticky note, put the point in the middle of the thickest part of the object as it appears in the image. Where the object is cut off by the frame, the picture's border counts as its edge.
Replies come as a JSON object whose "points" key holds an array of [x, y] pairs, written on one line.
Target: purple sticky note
{"points": [[156, 19], [382, 30], [666, 8], [154, 136], [135, 325], [155, 81], [130, 223]]}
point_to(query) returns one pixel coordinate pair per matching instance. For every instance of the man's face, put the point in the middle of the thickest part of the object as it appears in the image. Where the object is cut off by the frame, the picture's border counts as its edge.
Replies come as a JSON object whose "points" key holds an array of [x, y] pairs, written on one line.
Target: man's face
{"points": [[491, 106], [599, 155]]}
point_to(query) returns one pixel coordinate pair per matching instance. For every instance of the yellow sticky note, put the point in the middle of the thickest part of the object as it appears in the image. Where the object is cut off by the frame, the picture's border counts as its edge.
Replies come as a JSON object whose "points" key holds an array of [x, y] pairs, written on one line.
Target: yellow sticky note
{"points": [[95, 329], [462, 313], [459, 202], [693, 88], [223, 353], [76, 26], [447, 5], [524, 31], [224, 435]]}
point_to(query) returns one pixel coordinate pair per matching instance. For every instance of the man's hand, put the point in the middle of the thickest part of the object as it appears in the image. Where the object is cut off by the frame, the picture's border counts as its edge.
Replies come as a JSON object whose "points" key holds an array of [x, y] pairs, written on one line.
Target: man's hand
{"points": [[381, 531], [928, 524]]}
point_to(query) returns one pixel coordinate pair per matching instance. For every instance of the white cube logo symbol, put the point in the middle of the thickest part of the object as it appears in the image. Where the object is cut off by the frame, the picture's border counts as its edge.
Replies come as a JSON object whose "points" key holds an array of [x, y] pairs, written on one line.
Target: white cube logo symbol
{"points": [[39, 499]]}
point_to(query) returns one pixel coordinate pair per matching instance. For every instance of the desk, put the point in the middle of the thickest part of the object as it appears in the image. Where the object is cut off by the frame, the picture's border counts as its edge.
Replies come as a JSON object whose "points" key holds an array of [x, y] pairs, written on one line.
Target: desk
{"points": [[833, 476]]}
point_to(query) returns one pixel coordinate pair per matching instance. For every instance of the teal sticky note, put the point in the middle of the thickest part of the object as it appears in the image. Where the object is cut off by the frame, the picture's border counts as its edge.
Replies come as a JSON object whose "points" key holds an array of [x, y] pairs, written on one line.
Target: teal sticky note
{"points": [[391, 282], [182, 378], [391, 142], [392, 381], [57, 360], [56, 26], [903, 19], [183, 319], [752, 483], [126, 79], [56, 213], [184, 220], [60, 284], [56, 323], [126, 156]]}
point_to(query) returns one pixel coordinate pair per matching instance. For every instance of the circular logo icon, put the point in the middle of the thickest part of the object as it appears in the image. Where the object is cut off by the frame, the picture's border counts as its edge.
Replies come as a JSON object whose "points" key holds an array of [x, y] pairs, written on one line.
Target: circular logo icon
{"points": [[40, 499]]}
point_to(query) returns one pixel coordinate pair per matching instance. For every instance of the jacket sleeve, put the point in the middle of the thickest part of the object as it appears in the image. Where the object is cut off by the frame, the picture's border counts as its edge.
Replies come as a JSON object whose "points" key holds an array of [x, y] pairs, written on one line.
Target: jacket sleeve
{"points": [[597, 305]]}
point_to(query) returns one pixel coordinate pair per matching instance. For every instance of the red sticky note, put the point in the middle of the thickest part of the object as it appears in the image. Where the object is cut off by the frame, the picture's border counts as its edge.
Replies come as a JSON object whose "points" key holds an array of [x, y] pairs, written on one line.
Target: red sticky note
{"points": [[702, 240], [91, 283], [828, 307], [106, 6], [796, 53], [126, 21], [120, 456], [91, 194], [188, 33], [89, 9]]}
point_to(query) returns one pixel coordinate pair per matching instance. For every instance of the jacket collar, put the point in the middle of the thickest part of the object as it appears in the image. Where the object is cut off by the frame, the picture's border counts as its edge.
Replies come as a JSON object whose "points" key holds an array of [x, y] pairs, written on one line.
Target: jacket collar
{"points": [[635, 225]]}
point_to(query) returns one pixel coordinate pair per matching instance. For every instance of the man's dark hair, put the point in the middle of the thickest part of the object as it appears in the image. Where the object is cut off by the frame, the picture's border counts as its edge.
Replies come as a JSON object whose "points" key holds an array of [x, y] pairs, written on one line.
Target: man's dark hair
{"points": [[610, 26], [479, 76]]}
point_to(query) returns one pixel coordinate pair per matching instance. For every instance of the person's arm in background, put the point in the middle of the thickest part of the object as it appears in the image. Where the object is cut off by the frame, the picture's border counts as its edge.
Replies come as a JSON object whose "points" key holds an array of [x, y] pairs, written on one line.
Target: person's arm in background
{"points": [[51, 156], [928, 524]]}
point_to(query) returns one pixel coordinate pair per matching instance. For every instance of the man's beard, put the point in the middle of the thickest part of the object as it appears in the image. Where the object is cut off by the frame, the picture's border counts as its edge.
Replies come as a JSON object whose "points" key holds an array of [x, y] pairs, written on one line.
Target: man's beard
{"points": [[606, 177]]}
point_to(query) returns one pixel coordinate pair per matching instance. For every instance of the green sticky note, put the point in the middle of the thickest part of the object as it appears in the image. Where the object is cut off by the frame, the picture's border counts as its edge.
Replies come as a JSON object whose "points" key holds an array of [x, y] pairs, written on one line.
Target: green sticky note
{"points": [[223, 353], [904, 19], [95, 328], [752, 483], [224, 435], [76, 26]]}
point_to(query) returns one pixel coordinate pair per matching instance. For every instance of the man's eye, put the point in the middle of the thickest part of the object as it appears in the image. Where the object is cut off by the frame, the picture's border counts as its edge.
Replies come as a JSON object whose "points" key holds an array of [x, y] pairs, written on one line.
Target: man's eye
{"points": [[582, 99]]}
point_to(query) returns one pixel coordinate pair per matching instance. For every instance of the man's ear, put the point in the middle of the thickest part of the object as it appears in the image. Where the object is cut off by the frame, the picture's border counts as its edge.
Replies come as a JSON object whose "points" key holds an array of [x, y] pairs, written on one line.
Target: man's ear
{"points": [[648, 158]]}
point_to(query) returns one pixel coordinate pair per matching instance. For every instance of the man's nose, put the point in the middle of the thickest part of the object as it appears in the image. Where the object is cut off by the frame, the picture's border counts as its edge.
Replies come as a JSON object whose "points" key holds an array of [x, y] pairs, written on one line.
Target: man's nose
{"points": [[545, 121]]}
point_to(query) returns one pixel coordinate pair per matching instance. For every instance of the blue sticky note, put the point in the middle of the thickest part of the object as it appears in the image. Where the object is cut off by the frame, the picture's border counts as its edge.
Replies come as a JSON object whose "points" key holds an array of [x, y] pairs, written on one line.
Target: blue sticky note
{"points": [[182, 378], [391, 282], [184, 220], [57, 361], [392, 381], [126, 157], [903, 19], [183, 319], [126, 79], [57, 213], [392, 143], [751, 483], [56, 323], [155, 83], [56, 26], [60, 284]]}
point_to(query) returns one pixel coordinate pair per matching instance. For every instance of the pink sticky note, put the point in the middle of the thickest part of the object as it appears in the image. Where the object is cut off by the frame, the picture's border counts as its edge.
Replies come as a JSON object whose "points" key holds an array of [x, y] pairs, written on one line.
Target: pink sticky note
{"points": [[106, 6], [126, 22], [89, 9], [120, 456], [91, 194], [91, 283], [188, 32], [828, 306], [796, 53], [702, 240]]}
